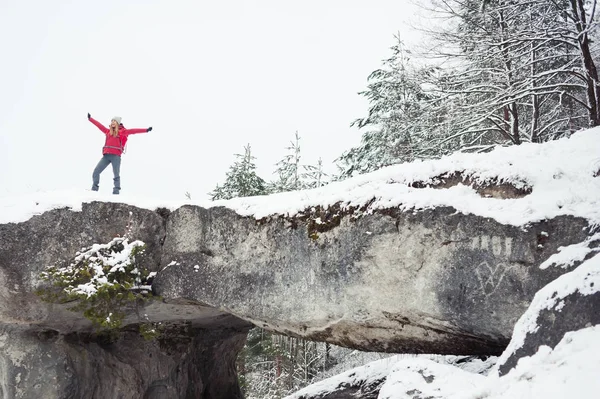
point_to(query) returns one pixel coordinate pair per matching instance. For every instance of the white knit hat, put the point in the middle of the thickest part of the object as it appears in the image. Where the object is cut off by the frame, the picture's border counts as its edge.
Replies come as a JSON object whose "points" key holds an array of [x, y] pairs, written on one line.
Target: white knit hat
{"points": [[117, 118]]}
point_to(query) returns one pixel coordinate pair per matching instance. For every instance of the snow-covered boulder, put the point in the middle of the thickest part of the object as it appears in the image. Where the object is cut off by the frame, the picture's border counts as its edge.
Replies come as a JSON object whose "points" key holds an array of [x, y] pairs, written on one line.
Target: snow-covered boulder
{"points": [[570, 303], [423, 378], [569, 370], [360, 382]]}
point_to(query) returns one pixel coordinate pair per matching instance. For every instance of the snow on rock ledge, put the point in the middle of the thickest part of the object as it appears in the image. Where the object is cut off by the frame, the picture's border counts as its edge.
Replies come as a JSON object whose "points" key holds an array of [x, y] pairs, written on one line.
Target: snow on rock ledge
{"points": [[514, 185], [399, 260]]}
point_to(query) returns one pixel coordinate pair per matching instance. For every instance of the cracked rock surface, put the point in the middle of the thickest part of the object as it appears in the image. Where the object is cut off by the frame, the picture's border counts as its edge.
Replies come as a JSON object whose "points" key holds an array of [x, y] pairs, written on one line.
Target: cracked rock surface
{"points": [[419, 282]]}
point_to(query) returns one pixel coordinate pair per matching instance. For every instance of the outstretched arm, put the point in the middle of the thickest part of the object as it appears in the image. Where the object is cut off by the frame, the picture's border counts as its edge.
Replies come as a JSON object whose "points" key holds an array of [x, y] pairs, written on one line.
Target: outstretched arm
{"points": [[98, 124], [134, 131]]}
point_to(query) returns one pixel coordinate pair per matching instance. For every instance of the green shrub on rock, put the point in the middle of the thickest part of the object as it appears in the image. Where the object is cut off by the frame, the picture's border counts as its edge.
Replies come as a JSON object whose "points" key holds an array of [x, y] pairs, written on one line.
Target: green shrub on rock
{"points": [[103, 280]]}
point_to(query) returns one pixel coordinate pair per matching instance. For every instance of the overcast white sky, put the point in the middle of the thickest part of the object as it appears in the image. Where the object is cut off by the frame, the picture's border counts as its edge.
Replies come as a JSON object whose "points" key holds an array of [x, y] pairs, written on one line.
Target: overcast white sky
{"points": [[209, 76]]}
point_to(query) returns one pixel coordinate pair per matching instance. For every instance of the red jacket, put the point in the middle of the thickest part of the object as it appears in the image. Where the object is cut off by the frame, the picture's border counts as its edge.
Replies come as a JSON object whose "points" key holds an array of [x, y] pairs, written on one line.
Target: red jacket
{"points": [[115, 145]]}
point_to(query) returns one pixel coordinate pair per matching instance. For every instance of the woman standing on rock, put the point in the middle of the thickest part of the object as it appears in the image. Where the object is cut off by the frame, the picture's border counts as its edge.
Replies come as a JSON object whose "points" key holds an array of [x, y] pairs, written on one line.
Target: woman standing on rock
{"points": [[114, 145]]}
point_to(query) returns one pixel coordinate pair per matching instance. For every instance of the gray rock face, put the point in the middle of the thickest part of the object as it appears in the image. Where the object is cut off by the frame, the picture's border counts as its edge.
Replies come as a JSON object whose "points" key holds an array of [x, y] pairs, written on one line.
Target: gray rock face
{"points": [[423, 282], [49, 352]]}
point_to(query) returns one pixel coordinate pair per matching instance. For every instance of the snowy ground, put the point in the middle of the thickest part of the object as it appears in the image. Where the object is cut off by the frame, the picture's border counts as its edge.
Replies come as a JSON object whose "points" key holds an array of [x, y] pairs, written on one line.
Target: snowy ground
{"points": [[388, 367]]}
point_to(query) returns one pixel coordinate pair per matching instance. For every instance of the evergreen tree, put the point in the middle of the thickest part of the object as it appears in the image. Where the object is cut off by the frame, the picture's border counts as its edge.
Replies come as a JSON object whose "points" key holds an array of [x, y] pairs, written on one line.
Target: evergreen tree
{"points": [[288, 169], [401, 116], [314, 176], [241, 179]]}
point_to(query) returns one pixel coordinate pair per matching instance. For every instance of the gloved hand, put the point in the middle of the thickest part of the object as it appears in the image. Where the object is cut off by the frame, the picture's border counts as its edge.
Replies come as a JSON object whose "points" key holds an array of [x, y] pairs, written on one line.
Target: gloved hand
{"points": [[89, 116], [149, 129]]}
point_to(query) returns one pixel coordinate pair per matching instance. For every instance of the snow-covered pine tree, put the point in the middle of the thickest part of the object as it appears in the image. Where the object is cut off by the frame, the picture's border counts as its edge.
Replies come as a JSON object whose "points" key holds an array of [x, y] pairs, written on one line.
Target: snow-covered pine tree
{"points": [[288, 169], [241, 179], [401, 116], [314, 176]]}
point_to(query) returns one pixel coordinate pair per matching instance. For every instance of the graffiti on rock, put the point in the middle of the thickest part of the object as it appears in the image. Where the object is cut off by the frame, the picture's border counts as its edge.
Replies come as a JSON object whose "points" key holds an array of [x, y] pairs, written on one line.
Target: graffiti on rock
{"points": [[492, 271]]}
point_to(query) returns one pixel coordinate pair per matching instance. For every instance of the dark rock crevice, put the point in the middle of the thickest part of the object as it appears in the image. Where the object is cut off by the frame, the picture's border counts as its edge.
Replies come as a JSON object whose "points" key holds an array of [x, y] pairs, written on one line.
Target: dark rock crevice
{"points": [[489, 189], [186, 362]]}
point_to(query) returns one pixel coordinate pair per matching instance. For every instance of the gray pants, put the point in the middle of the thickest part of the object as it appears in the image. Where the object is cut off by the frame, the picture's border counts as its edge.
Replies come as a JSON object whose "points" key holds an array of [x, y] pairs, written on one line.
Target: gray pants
{"points": [[107, 159]]}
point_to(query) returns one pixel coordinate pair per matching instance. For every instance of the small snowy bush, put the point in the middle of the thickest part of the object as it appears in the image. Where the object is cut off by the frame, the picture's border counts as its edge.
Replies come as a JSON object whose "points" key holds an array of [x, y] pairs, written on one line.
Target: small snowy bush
{"points": [[102, 280]]}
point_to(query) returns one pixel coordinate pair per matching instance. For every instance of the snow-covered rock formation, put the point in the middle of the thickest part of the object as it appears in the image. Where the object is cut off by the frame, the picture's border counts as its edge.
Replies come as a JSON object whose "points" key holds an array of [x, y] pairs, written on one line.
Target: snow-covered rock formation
{"points": [[431, 257]]}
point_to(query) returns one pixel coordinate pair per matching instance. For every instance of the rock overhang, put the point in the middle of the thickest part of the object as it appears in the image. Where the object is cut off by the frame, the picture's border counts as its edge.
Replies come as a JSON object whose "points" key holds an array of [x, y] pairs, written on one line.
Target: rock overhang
{"points": [[386, 281]]}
